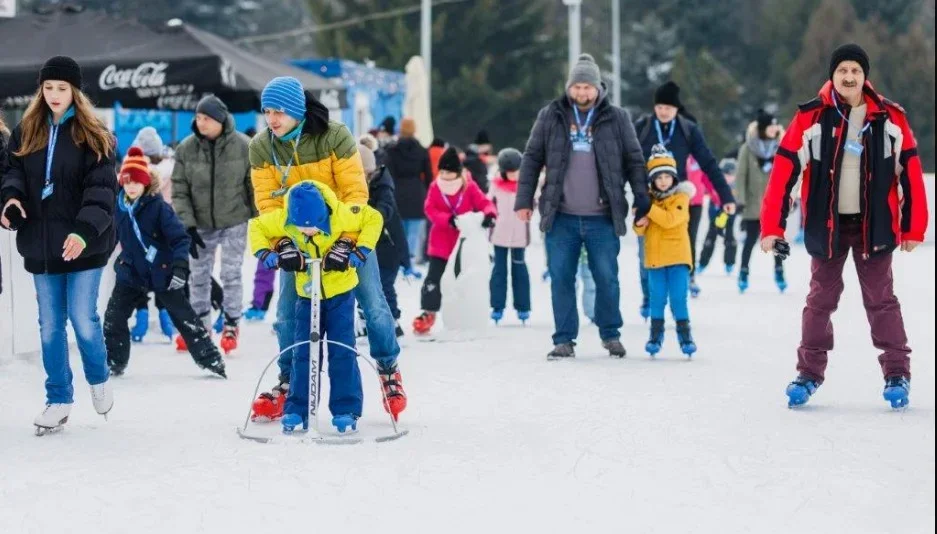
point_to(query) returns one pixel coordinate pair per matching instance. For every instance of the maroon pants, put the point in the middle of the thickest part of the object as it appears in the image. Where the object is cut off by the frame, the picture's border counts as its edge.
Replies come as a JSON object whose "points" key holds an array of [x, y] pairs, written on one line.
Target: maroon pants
{"points": [[878, 296]]}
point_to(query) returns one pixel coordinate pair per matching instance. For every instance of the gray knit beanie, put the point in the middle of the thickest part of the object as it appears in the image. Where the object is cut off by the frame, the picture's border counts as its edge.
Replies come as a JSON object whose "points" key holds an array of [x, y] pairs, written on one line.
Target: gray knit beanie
{"points": [[585, 70], [149, 141]]}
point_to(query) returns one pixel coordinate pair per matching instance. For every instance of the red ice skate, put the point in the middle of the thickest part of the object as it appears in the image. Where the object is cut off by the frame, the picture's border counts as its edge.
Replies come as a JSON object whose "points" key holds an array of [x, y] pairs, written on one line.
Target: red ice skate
{"points": [[229, 339], [269, 406], [395, 398], [424, 323]]}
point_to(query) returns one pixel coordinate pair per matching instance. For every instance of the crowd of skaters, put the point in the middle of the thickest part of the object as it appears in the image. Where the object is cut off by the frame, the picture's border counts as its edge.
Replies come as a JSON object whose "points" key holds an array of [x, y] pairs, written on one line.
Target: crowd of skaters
{"points": [[383, 205]]}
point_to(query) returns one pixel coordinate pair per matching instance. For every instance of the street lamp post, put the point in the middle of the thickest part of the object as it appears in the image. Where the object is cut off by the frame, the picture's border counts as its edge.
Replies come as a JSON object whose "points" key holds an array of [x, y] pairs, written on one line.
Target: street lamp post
{"points": [[426, 45], [616, 52], [575, 30]]}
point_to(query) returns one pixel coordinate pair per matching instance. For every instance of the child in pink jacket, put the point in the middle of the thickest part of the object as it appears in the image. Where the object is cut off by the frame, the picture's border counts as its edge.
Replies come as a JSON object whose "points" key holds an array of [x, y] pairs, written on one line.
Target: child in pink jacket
{"points": [[449, 196], [510, 237]]}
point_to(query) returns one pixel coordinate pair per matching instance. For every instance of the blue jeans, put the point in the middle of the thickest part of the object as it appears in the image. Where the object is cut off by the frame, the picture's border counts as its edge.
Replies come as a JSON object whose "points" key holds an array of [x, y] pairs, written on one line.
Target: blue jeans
{"points": [[520, 279], [645, 283], [564, 244], [388, 279], [70, 297], [416, 231], [588, 290], [337, 323], [370, 294], [673, 281]]}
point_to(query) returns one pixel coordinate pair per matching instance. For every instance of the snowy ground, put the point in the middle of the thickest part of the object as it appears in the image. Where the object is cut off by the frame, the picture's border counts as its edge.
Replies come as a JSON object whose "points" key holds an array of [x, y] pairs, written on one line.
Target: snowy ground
{"points": [[503, 441]]}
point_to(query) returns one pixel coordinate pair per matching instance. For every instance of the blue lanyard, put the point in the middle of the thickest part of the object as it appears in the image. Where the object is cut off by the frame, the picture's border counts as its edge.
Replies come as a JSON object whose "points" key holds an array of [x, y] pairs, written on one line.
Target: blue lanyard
{"points": [[133, 220], [845, 118], [582, 126], [284, 174], [458, 203], [660, 135], [50, 151]]}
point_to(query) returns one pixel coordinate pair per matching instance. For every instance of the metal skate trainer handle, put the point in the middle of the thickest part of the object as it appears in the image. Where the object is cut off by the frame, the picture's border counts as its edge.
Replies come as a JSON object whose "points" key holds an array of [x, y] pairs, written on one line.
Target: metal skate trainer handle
{"points": [[315, 339]]}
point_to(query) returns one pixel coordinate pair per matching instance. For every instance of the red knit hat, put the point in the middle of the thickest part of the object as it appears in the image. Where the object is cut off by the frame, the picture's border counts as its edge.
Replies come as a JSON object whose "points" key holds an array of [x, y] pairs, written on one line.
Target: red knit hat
{"points": [[136, 168]]}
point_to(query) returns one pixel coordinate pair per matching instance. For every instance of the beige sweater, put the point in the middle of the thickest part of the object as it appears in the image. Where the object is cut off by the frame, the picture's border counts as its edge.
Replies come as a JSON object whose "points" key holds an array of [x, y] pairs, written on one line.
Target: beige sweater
{"points": [[849, 179]]}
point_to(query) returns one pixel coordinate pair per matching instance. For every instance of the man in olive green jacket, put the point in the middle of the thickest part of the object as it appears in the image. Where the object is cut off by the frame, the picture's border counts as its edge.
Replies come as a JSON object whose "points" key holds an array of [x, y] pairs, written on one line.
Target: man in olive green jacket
{"points": [[212, 195]]}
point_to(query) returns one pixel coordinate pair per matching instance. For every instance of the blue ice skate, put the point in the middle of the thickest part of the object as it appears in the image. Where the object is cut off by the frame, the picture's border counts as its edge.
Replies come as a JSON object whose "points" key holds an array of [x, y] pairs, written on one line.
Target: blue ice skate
{"points": [[524, 316], [800, 390], [291, 421], [743, 280], [694, 288], [896, 391], [165, 324], [343, 423], [685, 337], [656, 340], [497, 315], [729, 269], [142, 325], [645, 309], [219, 324], [253, 314], [779, 279], [799, 238]]}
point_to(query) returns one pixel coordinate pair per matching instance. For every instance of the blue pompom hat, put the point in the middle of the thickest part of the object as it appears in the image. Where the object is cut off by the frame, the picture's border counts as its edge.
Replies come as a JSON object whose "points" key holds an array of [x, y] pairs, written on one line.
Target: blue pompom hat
{"points": [[306, 208], [285, 94]]}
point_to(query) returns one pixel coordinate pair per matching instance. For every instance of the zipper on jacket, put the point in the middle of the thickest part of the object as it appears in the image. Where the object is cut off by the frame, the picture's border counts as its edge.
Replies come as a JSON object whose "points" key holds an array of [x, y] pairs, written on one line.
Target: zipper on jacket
{"points": [[834, 183], [866, 209], [212, 192]]}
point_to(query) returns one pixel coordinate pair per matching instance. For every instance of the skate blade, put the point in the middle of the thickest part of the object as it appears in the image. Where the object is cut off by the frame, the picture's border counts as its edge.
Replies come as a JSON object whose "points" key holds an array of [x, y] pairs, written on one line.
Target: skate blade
{"points": [[45, 430], [327, 439]]}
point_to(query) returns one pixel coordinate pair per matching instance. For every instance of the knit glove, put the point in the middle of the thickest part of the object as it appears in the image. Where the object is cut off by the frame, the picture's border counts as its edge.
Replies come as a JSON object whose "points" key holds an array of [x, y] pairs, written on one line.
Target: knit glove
{"points": [[338, 257], [782, 249], [489, 221], [196, 243], [180, 275], [269, 258], [642, 205], [358, 256], [15, 216]]}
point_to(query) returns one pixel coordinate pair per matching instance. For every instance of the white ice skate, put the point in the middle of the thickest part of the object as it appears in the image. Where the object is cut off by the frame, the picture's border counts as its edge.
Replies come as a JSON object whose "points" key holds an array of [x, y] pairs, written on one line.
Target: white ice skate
{"points": [[103, 398], [52, 418]]}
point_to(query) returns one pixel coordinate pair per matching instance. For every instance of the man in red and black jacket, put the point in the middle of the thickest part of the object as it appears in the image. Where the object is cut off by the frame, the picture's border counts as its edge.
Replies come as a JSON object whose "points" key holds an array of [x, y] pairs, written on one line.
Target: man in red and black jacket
{"points": [[862, 189]]}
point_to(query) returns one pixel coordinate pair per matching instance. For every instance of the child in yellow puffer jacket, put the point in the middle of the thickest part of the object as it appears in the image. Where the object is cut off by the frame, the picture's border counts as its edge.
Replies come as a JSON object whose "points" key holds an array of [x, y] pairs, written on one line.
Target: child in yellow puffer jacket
{"points": [[668, 256], [312, 223]]}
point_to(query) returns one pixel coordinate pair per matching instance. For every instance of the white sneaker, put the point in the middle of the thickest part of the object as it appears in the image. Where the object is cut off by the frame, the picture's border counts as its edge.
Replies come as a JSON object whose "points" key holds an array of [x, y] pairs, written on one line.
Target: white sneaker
{"points": [[103, 397], [54, 415]]}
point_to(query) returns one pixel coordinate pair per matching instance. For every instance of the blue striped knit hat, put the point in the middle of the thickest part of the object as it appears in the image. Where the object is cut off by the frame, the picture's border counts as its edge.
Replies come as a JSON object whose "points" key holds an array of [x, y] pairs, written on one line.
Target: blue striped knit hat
{"points": [[285, 93]]}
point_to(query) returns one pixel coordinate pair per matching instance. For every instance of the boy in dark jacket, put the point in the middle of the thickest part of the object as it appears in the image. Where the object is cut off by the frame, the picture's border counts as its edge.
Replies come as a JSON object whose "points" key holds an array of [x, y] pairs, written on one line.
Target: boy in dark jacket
{"points": [[154, 257], [393, 252]]}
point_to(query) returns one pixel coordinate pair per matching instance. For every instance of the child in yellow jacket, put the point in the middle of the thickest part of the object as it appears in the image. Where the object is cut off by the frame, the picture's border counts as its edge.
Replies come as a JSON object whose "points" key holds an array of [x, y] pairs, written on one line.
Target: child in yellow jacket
{"points": [[668, 256], [311, 224]]}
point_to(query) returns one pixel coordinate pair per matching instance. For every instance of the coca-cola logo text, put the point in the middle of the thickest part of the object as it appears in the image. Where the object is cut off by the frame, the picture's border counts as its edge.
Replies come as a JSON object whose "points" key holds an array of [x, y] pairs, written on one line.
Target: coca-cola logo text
{"points": [[147, 74]]}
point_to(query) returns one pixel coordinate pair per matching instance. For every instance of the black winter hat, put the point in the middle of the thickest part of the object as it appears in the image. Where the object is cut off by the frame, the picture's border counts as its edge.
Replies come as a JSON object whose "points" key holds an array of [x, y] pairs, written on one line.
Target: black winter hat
{"points": [[764, 120], [61, 68], [438, 142], [449, 161], [389, 125], [212, 106], [668, 94], [850, 52], [482, 138]]}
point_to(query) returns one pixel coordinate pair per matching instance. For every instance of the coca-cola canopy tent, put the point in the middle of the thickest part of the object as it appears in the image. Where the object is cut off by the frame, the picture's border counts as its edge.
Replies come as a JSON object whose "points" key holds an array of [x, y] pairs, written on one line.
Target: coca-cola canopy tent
{"points": [[124, 61]]}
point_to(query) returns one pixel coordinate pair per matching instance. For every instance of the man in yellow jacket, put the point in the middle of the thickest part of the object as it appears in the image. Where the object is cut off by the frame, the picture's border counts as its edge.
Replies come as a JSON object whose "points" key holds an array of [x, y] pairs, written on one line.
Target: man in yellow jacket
{"points": [[311, 224], [301, 143]]}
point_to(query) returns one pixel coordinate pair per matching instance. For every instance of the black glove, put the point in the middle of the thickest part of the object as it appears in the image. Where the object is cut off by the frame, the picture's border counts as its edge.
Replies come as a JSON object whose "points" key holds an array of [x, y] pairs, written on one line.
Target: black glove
{"points": [[180, 275], [452, 222], [489, 221], [15, 215], [285, 244], [337, 257], [292, 261], [196, 243], [642, 206], [782, 249]]}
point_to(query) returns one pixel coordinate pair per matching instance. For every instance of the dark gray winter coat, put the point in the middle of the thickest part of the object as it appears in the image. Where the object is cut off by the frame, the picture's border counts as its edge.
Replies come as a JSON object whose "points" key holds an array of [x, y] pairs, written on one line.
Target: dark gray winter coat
{"points": [[211, 184], [618, 159]]}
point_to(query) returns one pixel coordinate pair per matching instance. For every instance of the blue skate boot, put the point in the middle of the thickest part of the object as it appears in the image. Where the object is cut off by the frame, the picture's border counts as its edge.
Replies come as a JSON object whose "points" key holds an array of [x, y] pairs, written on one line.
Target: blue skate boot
{"points": [[345, 423], [656, 340], [138, 332], [896, 391], [165, 324], [800, 390], [291, 421]]}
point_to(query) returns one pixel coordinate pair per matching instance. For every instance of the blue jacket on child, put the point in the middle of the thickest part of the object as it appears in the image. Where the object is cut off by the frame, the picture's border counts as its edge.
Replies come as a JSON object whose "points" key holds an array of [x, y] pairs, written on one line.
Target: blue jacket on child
{"points": [[159, 227]]}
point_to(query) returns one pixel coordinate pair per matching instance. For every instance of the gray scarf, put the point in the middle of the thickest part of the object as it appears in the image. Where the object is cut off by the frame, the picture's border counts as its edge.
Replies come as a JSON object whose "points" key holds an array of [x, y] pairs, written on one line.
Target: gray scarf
{"points": [[763, 149]]}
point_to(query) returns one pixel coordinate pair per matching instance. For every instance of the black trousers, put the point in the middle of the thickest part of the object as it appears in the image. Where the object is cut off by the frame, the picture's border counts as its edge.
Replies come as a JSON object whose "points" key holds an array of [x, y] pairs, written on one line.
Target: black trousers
{"points": [[217, 297], [696, 215], [431, 294], [709, 244], [752, 231], [123, 303]]}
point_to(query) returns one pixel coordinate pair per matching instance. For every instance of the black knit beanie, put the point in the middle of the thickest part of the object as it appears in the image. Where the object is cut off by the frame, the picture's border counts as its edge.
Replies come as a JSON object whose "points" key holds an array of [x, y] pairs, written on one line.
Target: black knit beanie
{"points": [[764, 120], [668, 94], [850, 52], [449, 161], [61, 68]]}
